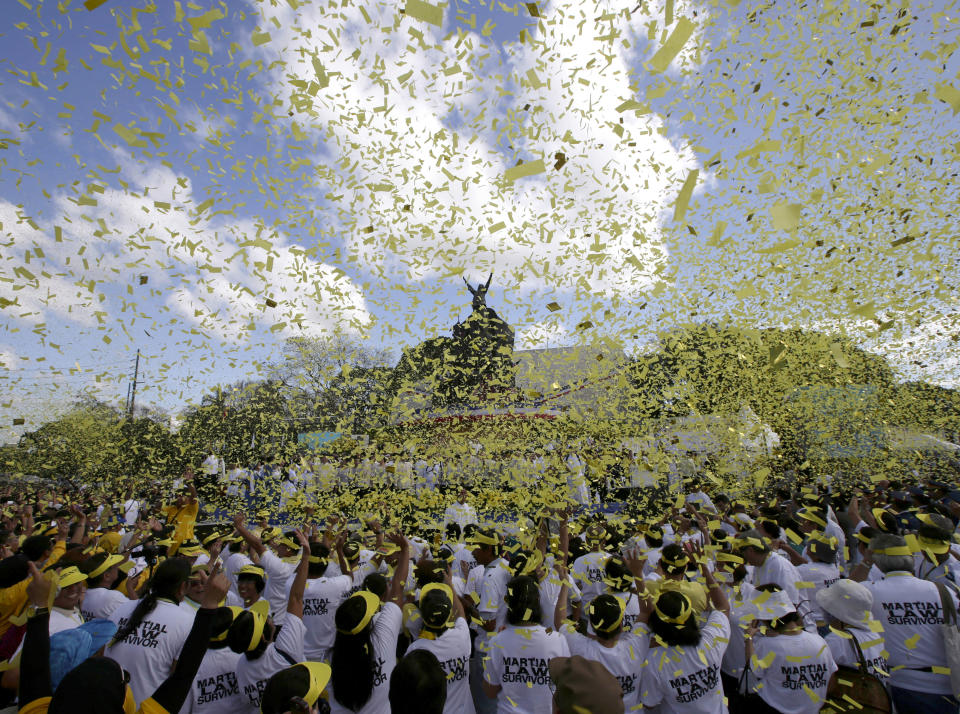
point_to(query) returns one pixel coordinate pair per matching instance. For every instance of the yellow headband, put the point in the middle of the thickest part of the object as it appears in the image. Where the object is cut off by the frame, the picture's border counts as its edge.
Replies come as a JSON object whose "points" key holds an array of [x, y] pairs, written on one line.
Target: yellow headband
{"points": [[613, 625], [809, 516], [682, 562], [934, 545], [878, 514], [819, 537], [371, 603], [223, 635], [110, 561], [252, 570], [729, 558], [482, 539], [894, 550], [317, 559], [686, 610], [259, 622], [749, 542], [533, 562]]}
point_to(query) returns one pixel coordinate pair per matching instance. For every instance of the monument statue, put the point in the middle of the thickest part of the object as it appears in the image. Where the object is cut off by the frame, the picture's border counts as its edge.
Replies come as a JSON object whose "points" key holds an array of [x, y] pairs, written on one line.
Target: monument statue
{"points": [[472, 365]]}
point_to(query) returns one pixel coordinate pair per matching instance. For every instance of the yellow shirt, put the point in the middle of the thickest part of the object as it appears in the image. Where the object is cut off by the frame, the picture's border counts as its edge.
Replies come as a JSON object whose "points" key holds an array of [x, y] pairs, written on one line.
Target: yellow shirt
{"points": [[14, 598], [183, 518]]}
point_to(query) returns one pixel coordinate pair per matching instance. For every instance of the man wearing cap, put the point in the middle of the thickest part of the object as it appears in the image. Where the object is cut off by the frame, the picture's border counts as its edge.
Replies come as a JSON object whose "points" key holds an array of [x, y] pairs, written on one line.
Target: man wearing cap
{"points": [[768, 567], [491, 607], [279, 572], [910, 611], [65, 613], [935, 562], [848, 608], [101, 600], [321, 598]]}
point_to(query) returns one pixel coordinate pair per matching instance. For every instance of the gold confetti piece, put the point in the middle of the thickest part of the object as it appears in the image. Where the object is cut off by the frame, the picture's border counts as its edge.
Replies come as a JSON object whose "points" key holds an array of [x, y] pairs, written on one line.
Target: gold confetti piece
{"points": [[530, 168], [420, 10], [683, 198], [785, 216], [553, 306], [93, 4], [671, 48], [949, 94]]}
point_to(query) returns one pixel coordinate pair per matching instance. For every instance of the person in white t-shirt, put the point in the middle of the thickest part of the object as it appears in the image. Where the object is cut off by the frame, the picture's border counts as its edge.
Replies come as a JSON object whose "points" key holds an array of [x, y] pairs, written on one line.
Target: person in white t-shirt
{"points": [[911, 612], [848, 605], [215, 689], [460, 512], [682, 669], [151, 631], [791, 666], [100, 599], [445, 634], [821, 572], [516, 671], [65, 613], [279, 567], [264, 651], [769, 567], [131, 509], [588, 570], [321, 599], [490, 579], [616, 646], [365, 647]]}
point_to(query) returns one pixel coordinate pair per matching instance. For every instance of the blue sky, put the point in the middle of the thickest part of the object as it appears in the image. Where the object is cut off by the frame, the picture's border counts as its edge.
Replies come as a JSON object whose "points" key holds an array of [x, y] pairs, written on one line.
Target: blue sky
{"points": [[347, 165]]}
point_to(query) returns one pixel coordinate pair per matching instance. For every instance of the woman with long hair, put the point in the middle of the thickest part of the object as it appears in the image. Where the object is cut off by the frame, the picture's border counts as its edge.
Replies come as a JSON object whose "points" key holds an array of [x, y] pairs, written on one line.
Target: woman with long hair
{"points": [[365, 649], [516, 668], [682, 671], [151, 631]]}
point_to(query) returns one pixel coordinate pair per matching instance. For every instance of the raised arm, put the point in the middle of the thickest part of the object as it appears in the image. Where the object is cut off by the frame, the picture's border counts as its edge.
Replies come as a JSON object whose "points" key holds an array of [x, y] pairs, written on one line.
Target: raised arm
{"points": [[295, 601], [395, 591], [560, 611], [256, 545]]}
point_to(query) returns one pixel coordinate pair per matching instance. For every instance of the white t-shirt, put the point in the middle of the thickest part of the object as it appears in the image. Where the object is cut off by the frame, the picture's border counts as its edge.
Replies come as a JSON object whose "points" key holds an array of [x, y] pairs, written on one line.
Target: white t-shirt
{"points": [[215, 689], [321, 598], [777, 569], [789, 667], [386, 629], [61, 619], [518, 661], [149, 652], [588, 571], [742, 614], [101, 602], [871, 644], [820, 575], [623, 660], [493, 592], [687, 679], [452, 649], [252, 675], [131, 511], [909, 610], [550, 593], [279, 579]]}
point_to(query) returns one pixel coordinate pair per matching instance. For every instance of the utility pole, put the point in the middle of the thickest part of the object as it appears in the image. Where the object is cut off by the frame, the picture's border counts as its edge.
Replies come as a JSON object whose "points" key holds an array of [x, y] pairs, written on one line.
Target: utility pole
{"points": [[133, 389]]}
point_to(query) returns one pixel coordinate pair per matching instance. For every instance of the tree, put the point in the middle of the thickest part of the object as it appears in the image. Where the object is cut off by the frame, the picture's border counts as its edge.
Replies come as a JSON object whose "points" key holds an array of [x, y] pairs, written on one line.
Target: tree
{"points": [[334, 382]]}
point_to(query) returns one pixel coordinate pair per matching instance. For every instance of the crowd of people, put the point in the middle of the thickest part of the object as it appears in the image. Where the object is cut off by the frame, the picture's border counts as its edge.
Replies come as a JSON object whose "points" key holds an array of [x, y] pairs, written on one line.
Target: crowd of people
{"points": [[796, 599]]}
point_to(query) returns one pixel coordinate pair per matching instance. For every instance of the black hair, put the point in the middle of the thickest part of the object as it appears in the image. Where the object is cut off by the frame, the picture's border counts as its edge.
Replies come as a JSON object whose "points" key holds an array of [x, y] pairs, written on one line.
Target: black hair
{"points": [[258, 582], [353, 661], [523, 600], [418, 685], [429, 571], [91, 564], [318, 550], [673, 551], [823, 553], [221, 623], [618, 573], [375, 583], [652, 540], [604, 607], [770, 527], [35, 547], [165, 583], [241, 632], [452, 531], [285, 690], [470, 529], [671, 603]]}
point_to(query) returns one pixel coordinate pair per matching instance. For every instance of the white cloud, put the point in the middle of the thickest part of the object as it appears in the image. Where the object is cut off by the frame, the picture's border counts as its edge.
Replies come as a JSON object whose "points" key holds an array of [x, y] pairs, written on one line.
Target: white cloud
{"points": [[593, 223]]}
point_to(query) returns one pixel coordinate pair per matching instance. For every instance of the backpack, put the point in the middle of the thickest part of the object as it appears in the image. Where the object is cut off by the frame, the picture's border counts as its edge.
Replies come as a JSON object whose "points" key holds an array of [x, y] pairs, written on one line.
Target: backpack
{"points": [[857, 684]]}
